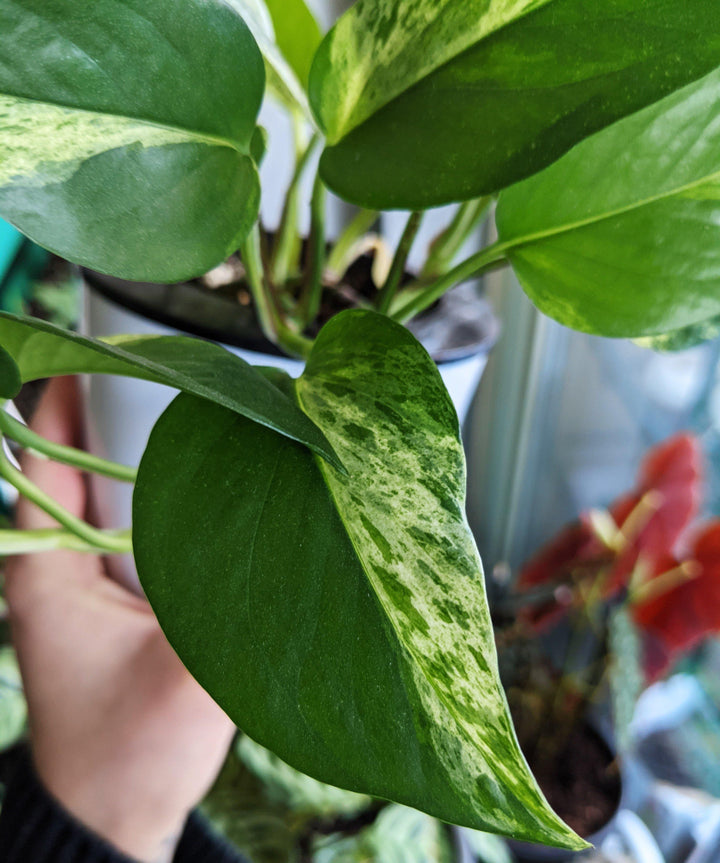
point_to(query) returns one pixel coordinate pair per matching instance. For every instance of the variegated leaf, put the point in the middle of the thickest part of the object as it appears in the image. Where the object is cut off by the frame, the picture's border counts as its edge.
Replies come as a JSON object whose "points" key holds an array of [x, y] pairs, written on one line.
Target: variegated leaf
{"points": [[346, 626], [430, 101], [125, 131]]}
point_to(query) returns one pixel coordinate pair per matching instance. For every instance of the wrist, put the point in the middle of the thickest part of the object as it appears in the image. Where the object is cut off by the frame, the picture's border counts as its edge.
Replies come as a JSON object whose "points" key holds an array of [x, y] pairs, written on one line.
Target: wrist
{"points": [[141, 829]]}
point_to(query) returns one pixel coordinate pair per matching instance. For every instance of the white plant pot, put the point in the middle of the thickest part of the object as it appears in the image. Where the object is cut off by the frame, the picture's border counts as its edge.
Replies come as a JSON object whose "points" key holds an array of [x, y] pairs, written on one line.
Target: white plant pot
{"points": [[120, 412]]}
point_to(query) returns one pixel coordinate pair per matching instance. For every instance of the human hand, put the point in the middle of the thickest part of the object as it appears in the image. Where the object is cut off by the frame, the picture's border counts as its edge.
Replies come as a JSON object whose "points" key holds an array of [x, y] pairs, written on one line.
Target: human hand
{"points": [[121, 734]]}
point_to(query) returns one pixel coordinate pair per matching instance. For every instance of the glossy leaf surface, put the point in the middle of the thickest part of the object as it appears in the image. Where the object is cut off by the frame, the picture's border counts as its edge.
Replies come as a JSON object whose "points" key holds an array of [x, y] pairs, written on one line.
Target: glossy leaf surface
{"points": [[43, 350], [638, 252], [345, 625], [427, 102], [125, 129]]}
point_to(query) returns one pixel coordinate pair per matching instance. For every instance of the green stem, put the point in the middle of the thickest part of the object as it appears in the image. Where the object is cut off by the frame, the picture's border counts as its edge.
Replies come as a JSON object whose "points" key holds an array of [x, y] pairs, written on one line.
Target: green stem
{"points": [[448, 244], [387, 293], [286, 251], [414, 301], [108, 542], [55, 539], [309, 304], [34, 443], [339, 259], [271, 321]]}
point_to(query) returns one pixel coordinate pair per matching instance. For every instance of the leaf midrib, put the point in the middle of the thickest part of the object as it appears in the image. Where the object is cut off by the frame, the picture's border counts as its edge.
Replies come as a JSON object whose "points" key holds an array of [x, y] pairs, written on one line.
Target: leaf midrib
{"points": [[195, 136], [539, 236]]}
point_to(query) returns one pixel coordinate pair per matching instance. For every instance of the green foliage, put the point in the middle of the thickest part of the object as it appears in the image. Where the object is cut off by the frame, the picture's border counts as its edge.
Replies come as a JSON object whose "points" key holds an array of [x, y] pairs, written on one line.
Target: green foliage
{"points": [[306, 797], [389, 633], [399, 835], [142, 113], [638, 251], [425, 103], [202, 368], [297, 33]]}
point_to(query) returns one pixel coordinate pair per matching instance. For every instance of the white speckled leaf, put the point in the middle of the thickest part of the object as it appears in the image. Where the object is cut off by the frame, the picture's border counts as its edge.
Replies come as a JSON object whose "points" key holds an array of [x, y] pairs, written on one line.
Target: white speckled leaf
{"points": [[382, 47], [381, 402], [125, 131]]}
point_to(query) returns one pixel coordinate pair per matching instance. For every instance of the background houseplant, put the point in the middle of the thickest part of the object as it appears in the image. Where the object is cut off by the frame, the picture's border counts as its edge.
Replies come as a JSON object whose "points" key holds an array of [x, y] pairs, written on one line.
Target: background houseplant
{"points": [[128, 143], [606, 608]]}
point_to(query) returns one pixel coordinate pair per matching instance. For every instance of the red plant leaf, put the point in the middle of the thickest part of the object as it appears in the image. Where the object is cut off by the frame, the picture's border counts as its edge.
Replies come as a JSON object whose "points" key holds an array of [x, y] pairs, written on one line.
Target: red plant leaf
{"points": [[677, 620]]}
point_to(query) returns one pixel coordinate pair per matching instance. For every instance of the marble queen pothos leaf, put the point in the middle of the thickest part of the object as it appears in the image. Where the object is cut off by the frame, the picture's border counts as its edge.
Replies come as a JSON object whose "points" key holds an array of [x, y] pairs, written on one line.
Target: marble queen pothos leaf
{"points": [[430, 101], [125, 130], [342, 623]]}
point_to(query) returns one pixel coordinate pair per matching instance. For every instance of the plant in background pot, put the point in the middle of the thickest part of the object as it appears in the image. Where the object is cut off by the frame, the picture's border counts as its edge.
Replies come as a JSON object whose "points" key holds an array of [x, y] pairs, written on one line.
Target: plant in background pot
{"points": [[607, 607], [304, 544]]}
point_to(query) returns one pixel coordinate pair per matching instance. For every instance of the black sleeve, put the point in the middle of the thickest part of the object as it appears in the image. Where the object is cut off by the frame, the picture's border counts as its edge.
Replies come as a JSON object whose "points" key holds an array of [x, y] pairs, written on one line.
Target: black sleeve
{"points": [[34, 828]]}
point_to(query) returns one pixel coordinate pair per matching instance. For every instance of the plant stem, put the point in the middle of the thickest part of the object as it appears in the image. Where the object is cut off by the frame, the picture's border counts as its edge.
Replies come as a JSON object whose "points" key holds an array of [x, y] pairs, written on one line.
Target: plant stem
{"points": [[340, 256], [271, 321], [390, 288], [34, 443], [309, 304], [414, 301], [286, 251], [55, 539], [447, 244], [98, 539]]}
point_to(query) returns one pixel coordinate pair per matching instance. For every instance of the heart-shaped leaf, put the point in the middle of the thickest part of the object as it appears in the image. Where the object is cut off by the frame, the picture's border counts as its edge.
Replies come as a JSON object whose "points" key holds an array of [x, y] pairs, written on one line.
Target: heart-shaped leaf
{"points": [[638, 251], [192, 365], [125, 131], [426, 102], [341, 621]]}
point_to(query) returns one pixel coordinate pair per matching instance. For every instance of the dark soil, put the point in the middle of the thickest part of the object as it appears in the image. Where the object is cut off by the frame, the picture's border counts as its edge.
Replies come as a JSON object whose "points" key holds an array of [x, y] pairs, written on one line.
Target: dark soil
{"points": [[582, 782]]}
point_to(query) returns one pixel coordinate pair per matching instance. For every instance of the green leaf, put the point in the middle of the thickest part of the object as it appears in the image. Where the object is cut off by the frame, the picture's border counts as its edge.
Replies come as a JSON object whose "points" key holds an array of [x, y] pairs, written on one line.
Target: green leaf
{"points": [[302, 794], [685, 338], [238, 808], [259, 145], [282, 79], [399, 835], [13, 707], [426, 102], [125, 131], [298, 34], [10, 381], [345, 625], [638, 251], [191, 365]]}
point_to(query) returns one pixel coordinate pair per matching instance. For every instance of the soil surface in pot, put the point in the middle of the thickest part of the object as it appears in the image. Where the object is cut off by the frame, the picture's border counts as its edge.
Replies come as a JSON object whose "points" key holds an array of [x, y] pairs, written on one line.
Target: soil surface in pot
{"points": [[581, 782]]}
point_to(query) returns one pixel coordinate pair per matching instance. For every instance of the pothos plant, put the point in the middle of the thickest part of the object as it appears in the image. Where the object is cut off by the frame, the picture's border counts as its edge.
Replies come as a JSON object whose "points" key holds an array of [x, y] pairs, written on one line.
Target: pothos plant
{"points": [[304, 544]]}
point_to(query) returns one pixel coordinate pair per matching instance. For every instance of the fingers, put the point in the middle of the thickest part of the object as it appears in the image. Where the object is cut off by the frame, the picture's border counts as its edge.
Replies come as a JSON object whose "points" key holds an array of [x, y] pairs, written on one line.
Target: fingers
{"points": [[58, 419]]}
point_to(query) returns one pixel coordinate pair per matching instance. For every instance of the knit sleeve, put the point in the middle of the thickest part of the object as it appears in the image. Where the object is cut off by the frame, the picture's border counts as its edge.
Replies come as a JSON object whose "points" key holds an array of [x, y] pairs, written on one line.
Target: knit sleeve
{"points": [[35, 828]]}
